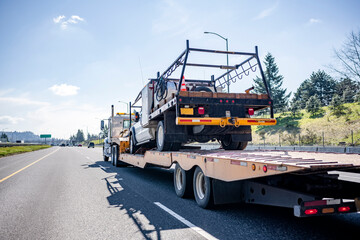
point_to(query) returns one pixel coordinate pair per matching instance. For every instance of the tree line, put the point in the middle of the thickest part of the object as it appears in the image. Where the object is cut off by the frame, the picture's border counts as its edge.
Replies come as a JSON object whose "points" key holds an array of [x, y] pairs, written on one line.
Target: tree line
{"points": [[320, 89], [80, 137]]}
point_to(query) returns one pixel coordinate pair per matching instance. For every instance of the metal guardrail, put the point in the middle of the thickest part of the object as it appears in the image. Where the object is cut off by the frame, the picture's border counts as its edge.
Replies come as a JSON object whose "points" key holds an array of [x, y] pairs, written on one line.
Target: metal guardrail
{"points": [[326, 149]]}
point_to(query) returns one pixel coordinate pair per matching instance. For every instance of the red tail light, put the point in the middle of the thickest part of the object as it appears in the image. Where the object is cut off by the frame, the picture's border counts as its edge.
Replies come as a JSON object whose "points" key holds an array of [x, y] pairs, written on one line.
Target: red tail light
{"points": [[344, 209], [311, 211], [201, 110], [251, 111], [265, 168]]}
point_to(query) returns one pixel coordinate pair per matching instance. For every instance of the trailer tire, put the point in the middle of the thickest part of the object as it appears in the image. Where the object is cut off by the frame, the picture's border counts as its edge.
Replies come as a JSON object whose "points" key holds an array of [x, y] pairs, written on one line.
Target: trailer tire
{"points": [[202, 189], [161, 144], [183, 182], [228, 144]]}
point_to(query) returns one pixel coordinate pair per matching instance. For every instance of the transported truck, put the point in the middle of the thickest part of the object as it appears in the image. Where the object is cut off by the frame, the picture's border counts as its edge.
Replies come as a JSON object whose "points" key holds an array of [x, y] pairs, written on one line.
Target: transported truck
{"points": [[174, 111], [303, 181]]}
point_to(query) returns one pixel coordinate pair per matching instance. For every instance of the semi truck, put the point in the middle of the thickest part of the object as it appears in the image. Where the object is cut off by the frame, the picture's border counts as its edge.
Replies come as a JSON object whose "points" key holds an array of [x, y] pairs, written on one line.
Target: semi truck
{"points": [[300, 180]]}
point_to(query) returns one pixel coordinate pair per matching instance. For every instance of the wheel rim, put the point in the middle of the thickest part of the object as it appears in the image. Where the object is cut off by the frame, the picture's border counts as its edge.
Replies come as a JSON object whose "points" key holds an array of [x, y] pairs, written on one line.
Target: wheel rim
{"points": [[200, 185], [179, 179], [160, 136]]}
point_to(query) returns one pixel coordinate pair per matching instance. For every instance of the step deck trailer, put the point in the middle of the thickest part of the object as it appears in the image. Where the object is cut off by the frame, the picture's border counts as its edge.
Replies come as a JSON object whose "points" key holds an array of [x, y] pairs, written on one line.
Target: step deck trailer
{"points": [[292, 179]]}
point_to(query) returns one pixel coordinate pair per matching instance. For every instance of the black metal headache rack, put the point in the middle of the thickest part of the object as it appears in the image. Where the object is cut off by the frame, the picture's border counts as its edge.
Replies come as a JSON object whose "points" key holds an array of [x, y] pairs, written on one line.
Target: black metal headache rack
{"points": [[232, 74]]}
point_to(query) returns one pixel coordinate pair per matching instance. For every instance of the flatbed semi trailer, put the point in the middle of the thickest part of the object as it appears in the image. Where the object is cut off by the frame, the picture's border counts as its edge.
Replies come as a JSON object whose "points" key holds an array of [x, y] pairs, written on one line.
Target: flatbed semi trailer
{"points": [[292, 179]]}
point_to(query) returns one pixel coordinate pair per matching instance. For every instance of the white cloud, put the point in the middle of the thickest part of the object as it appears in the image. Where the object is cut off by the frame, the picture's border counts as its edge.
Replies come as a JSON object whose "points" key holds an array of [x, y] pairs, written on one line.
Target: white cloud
{"points": [[64, 89], [5, 120], [64, 23], [266, 12], [58, 19], [21, 101], [314, 20], [76, 19]]}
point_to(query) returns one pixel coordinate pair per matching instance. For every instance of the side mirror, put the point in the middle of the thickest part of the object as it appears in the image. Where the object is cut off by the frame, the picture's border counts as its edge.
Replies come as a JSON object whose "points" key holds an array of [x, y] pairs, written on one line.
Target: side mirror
{"points": [[102, 125], [137, 116]]}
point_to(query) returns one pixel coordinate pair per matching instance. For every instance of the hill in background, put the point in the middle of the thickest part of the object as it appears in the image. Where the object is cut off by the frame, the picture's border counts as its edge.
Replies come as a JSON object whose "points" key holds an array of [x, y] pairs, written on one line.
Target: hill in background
{"points": [[313, 130]]}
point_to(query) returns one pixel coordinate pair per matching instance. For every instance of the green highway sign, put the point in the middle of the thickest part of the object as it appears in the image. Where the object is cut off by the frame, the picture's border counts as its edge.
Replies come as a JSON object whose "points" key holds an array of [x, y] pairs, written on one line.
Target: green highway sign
{"points": [[45, 135]]}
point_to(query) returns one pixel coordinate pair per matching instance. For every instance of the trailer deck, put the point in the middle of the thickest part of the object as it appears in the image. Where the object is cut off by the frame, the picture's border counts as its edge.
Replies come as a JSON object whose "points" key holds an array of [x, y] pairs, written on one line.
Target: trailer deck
{"points": [[239, 165]]}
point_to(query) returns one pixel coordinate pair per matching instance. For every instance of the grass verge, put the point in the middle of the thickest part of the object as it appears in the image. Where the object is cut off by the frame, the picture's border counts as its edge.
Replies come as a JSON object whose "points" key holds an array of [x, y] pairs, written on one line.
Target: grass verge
{"points": [[6, 151]]}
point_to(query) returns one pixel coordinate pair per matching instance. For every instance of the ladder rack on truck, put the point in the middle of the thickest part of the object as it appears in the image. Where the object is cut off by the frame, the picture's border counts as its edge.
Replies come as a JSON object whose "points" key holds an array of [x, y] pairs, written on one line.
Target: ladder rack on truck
{"points": [[298, 180]]}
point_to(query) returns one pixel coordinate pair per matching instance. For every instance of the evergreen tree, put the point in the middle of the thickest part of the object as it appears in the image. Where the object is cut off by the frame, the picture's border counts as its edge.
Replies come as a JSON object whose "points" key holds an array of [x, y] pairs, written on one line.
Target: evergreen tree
{"points": [[348, 89], [294, 107], [80, 136], [303, 93], [313, 105], [4, 137], [274, 81], [320, 84], [336, 106]]}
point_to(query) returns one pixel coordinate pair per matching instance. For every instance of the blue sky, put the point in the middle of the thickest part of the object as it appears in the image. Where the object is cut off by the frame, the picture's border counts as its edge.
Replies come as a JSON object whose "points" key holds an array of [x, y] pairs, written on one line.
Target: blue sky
{"points": [[63, 63]]}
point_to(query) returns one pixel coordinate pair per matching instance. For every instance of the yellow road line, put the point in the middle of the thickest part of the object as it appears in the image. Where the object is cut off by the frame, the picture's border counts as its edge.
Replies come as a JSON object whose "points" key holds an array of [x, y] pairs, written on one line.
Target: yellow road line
{"points": [[27, 166]]}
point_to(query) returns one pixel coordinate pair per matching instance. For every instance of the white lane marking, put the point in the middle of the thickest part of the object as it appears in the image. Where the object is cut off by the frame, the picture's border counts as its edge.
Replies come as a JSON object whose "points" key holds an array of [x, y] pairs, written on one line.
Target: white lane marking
{"points": [[28, 165], [103, 168], [186, 222], [87, 157]]}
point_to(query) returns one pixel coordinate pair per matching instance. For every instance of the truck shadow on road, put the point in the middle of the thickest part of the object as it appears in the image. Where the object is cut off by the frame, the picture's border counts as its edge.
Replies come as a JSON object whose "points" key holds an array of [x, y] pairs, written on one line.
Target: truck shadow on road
{"points": [[149, 219], [131, 195]]}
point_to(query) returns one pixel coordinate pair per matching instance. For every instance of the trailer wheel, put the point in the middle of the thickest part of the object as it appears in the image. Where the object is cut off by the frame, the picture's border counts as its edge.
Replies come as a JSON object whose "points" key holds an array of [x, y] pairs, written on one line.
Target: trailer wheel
{"points": [[242, 145], [182, 182], [228, 144], [161, 144], [202, 189]]}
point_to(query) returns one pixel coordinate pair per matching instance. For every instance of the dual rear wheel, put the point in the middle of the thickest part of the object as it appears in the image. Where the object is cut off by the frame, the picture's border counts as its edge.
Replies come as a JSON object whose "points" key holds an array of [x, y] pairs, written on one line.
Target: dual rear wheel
{"points": [[188, 183]]}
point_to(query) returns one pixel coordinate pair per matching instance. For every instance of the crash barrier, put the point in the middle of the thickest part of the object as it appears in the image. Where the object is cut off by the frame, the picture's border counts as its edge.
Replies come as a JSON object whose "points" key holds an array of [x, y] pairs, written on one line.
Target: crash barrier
{"points": [[328, 149], [307, 148]]}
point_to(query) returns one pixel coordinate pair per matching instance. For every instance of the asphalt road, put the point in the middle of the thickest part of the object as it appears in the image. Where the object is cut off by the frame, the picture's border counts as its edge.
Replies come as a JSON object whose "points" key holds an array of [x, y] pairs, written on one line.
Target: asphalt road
{"points": [[70, 193]]}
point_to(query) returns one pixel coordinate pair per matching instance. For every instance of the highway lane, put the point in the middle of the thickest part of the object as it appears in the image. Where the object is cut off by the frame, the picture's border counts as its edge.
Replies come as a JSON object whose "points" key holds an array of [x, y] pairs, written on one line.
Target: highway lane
{"points": [[68, 196], [73, 194]]}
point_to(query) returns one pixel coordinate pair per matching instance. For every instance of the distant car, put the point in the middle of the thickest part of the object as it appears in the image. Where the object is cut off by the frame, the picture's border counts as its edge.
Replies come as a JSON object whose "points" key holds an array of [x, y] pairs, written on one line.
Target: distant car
{"points": [[91, 145], [62, 145], [79, 145]]}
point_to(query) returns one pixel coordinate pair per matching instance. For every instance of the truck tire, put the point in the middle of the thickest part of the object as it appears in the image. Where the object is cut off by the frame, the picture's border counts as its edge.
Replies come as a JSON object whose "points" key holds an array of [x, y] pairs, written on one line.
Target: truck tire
{"points": [[117, 162], [161, 144], [175, 146], [202, 189], [183, 182], [114, 155], [133, 148], [106, 158], [202, 89], [228, 144], [242, 145]]}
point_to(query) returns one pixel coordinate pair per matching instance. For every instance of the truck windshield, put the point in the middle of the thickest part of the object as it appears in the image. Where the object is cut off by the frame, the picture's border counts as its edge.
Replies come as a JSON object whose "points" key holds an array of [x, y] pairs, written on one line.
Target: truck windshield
{"points": [[126, 124]]}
